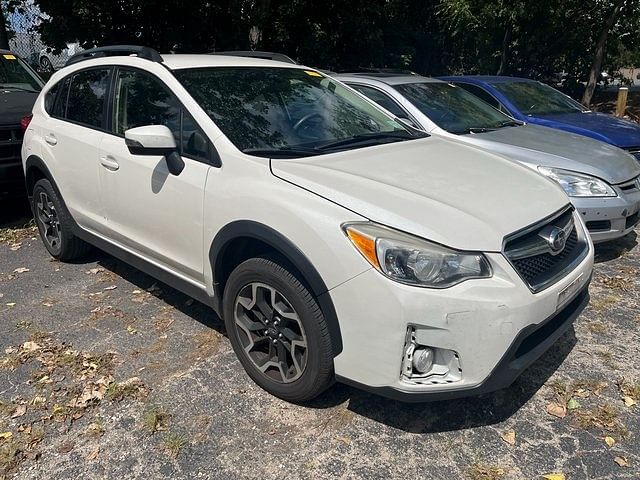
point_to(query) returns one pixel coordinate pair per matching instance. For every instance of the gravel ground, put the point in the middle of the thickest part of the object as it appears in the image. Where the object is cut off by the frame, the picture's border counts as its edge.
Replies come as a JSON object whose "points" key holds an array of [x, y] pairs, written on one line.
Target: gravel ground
{"points": [[106, 373]]}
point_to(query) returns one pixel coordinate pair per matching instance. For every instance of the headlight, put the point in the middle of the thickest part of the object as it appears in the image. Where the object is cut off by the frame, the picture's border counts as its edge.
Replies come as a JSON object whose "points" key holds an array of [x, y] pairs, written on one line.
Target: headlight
{"points": [[578, 184], [414, 261]]}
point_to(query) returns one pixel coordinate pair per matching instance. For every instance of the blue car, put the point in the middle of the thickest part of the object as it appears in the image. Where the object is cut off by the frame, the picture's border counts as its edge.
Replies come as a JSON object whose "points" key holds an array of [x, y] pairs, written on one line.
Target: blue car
{"points": [[534, 102]]}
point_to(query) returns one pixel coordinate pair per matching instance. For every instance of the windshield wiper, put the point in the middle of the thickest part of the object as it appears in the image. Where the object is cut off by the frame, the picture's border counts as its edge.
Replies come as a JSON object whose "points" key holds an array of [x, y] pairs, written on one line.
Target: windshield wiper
{"points": [[509, 123], [370, 139], [474, 130], [13, 87], [285, 152]]}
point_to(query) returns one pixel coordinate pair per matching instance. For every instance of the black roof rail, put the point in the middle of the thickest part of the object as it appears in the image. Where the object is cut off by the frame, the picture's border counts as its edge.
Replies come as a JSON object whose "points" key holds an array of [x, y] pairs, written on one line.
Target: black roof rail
{"points": [[279, 57], [116, 50], [381, 71]]}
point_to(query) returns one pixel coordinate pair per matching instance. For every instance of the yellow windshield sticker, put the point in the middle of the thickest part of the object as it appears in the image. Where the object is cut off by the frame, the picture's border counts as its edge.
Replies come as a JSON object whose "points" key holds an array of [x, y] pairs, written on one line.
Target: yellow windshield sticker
{"points": [[9, 56], [312, 73]]}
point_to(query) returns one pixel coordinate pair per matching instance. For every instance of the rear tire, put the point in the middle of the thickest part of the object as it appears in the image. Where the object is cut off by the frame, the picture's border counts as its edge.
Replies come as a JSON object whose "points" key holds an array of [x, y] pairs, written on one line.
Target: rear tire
{"points": [[277, 329], [55, 223]]}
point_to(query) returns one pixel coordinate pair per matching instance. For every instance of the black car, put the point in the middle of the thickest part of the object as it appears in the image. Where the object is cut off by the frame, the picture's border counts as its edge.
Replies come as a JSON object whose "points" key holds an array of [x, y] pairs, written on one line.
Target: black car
{"points": [[19, 88]]}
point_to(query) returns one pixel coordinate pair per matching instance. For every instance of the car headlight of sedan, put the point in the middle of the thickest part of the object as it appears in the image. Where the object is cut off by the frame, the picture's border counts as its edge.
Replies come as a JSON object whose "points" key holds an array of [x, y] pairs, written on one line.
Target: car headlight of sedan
{"points": [[412, 260], [578, 184]]}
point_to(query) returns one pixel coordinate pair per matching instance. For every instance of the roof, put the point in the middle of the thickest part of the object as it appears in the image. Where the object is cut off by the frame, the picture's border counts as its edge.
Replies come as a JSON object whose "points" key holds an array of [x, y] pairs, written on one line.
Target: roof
{"points": [[179, 61], [486, 78], [388, 78]]}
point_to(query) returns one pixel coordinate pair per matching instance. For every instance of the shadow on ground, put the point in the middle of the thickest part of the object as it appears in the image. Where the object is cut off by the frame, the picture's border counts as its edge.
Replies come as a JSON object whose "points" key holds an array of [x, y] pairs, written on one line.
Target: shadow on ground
{"points": [[433, 417], [15, 213], [605, 252]]}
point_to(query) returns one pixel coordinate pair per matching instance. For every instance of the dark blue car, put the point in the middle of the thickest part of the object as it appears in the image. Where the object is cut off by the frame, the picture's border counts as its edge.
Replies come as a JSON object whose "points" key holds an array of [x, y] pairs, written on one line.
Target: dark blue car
{"points": [[534, 102]]}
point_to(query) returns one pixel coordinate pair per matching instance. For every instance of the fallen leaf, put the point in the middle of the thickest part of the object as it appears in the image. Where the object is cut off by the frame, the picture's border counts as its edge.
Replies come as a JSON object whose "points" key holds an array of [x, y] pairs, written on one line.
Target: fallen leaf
{"points": [[15, 247], [137, 292], [30, 346], [554, 476], [19, 411], [21, 270], [10, 350], [572, 404], [94, 271], [271, 432], [628, 401], [66, 447], [557, 410], [610, 441], [93, 454], [11, 304], [131, 330], [621, 461], [47, 304], [6, 435], [509, 437], [345, 440], [112, 287]]}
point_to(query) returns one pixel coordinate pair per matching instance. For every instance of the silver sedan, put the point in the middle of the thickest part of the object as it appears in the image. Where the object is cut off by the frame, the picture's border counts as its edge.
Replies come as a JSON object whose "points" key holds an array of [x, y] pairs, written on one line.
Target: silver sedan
{"points": [[602, 180]]}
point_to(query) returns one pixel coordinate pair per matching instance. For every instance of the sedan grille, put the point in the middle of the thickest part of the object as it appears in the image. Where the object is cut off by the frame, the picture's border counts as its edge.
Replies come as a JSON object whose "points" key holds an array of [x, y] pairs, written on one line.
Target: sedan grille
{"points": [[543, 253], [10, 143], [635, 151]]}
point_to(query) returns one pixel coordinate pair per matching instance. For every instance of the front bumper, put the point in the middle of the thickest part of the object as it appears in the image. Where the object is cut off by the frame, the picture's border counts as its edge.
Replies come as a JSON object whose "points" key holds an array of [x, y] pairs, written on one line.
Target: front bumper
{"points": [[485, 321], [609, 218]]}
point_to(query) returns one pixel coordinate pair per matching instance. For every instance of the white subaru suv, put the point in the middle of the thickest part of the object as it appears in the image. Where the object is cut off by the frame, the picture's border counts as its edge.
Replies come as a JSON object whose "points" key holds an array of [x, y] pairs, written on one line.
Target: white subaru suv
{"points": [[335, 242]]}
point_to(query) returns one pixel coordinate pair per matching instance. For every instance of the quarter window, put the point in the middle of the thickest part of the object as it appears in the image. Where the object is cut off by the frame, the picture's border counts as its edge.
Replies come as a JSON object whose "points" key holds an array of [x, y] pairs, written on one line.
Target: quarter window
{"points": [[87, 97]]}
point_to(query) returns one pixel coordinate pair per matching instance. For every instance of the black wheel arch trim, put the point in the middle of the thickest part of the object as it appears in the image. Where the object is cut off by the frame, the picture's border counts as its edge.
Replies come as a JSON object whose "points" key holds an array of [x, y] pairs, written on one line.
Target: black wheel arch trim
{"points": [[33, 161], [284, 246]]}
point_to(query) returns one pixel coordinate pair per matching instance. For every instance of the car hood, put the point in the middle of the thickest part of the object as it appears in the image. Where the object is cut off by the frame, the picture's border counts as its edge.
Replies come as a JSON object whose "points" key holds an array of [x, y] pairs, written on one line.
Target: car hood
{"points": [[601, 126], [437, 188], [14, 105], [548, 147]]}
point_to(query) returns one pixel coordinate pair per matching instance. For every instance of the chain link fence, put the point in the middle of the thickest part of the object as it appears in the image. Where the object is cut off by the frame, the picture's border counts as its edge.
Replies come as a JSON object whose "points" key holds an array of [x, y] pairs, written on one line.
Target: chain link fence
{"points": [[22, 24]]}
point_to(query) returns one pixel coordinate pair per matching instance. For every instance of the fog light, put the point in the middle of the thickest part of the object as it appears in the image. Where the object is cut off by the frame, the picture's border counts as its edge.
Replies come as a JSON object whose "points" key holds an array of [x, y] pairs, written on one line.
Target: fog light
{"points": [[422, 360]]}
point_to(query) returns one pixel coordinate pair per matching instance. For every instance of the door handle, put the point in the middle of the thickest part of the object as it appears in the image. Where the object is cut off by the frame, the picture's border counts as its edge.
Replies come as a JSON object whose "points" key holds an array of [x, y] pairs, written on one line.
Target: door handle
{"points": [[109, 163], [51, 139]]}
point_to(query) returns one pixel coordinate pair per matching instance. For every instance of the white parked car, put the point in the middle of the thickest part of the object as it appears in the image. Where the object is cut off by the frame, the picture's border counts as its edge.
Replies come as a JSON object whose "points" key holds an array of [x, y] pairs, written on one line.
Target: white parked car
{"points": [[50, 61], [335, 242]]}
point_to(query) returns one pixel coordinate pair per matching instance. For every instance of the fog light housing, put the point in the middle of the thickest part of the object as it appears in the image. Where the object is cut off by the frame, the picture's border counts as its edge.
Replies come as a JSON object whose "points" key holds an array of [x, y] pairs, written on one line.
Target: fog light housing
{"points": [[422, 360], [427, 364]]}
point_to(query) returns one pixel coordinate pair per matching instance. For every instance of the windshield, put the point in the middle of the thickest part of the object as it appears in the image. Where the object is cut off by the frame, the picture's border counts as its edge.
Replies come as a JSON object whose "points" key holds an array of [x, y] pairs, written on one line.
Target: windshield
{"points": [[15, 74], [453, 108], [263, 109], [535, 98]]}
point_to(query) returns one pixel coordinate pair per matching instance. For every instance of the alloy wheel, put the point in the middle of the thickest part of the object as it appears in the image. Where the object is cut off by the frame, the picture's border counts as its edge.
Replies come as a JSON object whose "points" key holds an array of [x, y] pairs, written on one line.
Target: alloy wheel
{"points": [[270, 332], [48, 219]]}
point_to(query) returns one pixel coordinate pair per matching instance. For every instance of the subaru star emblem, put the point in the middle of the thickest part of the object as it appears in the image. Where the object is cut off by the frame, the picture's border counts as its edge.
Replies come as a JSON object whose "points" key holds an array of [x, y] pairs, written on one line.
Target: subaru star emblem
{"points": [[555, 237]]}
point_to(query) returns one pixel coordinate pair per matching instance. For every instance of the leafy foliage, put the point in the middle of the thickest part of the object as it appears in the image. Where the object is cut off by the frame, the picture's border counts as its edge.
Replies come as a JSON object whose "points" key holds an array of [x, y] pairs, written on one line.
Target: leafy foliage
{"points": [[536, 38]]}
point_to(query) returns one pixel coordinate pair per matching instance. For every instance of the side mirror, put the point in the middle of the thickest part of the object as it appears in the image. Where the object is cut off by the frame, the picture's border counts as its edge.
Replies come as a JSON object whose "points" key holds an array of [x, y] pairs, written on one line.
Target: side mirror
{"points": [[155, 140]]}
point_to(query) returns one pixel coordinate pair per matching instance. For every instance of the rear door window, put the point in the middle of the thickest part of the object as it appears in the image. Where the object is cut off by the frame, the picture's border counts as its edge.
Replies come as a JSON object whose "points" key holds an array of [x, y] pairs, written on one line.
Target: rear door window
{"points": [[87, 98]]}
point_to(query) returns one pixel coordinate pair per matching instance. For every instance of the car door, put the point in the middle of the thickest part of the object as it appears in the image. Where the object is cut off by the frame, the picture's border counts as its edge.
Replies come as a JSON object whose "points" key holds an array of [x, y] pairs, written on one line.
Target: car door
{"points": [[151, 212], [72, 132]]}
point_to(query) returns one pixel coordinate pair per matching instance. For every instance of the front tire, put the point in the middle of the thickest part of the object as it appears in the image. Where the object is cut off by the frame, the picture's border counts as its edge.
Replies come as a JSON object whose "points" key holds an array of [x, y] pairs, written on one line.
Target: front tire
{"points": [[277, 329], [55, 223]]}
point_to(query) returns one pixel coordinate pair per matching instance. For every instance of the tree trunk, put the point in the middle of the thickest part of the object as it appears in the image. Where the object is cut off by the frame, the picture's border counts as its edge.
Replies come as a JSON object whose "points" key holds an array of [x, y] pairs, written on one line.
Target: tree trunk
{"points": [[4, 38], [598, 57], [504, 58]]}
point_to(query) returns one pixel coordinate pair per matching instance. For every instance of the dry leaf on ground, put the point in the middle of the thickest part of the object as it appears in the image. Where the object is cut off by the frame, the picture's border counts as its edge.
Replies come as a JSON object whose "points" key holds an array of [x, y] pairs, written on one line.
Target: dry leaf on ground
{"points": [[557, 410], [509, 437]]}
